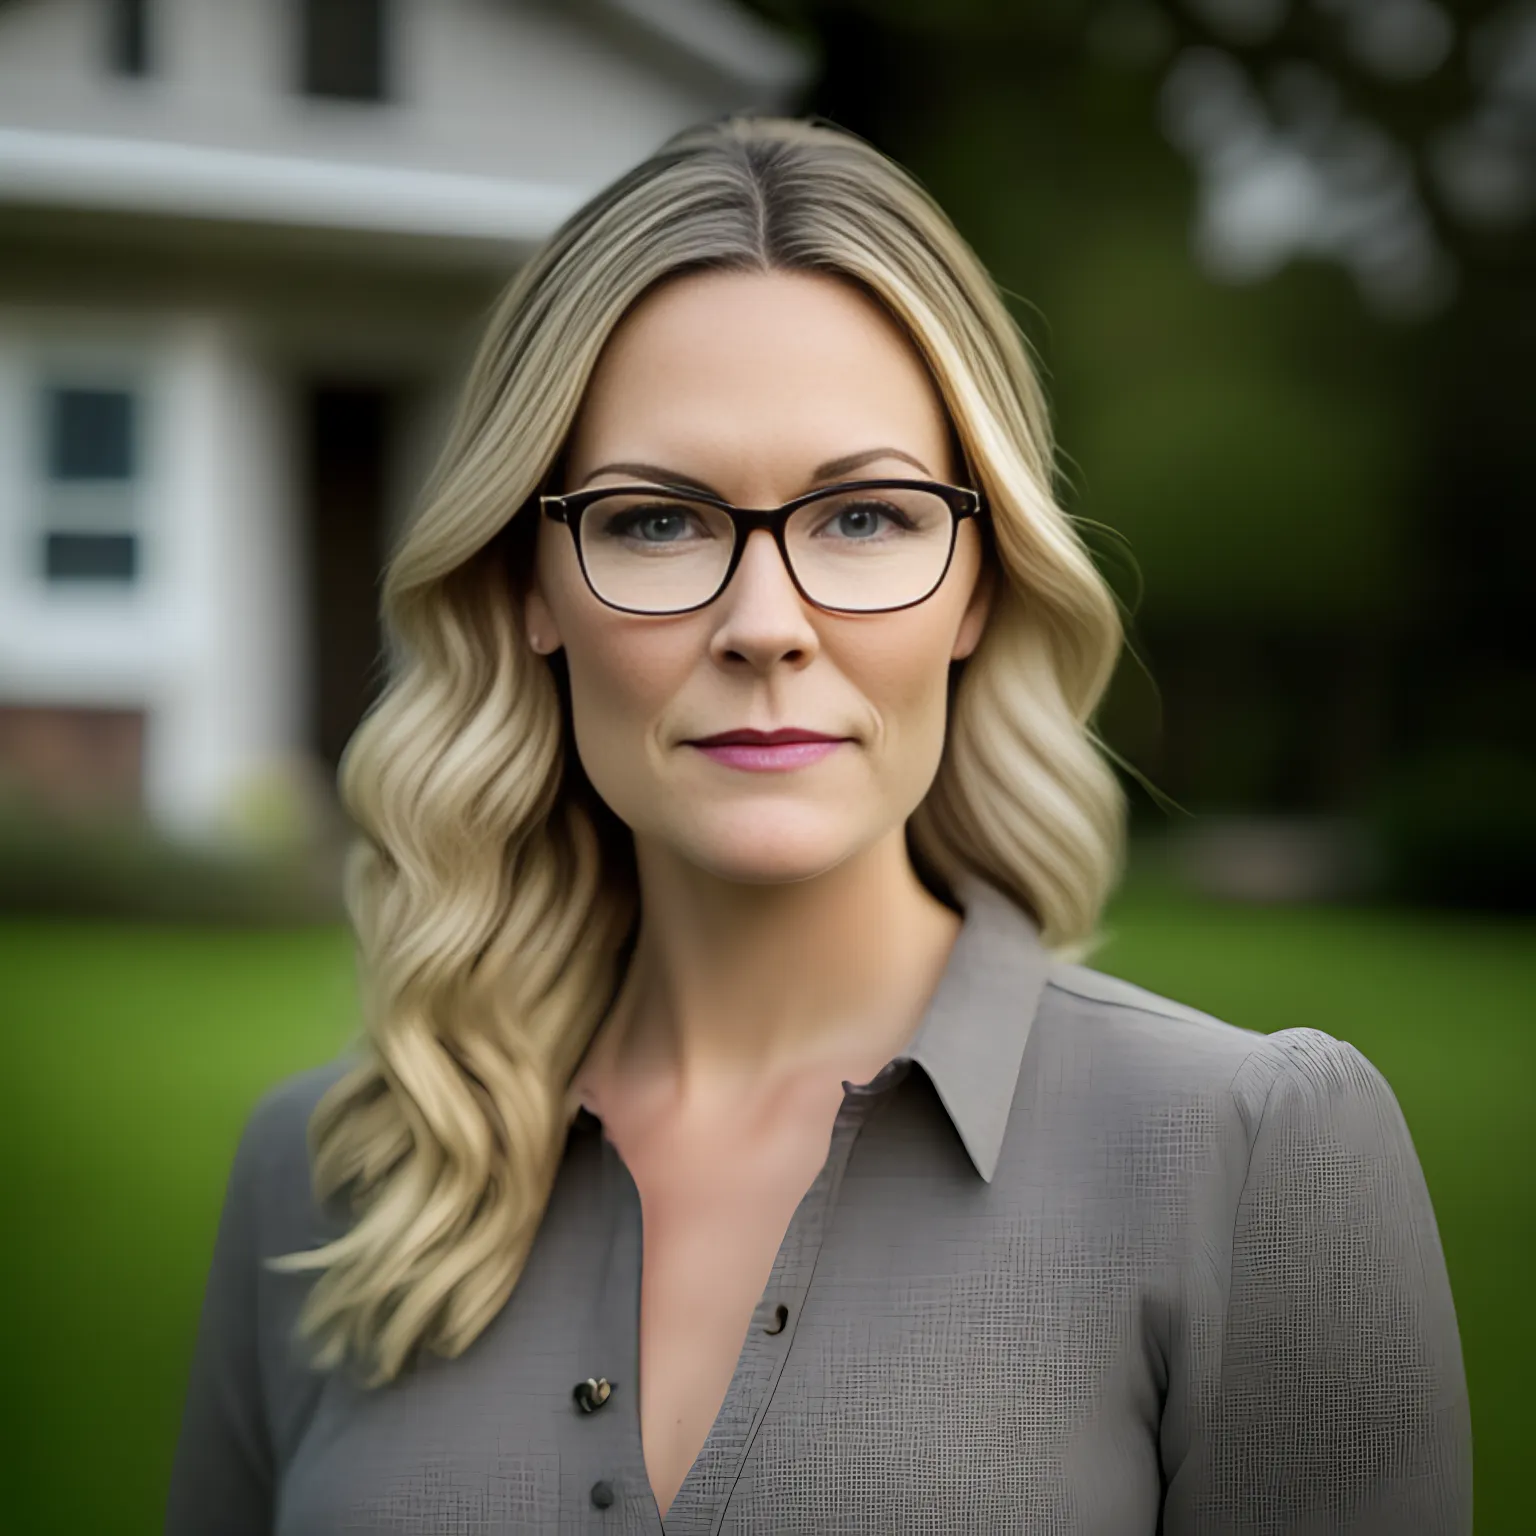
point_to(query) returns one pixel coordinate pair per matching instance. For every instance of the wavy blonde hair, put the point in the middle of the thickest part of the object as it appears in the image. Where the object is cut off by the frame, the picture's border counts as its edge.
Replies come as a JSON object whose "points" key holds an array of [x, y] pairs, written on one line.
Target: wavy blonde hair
{"points": [[490, 892]]}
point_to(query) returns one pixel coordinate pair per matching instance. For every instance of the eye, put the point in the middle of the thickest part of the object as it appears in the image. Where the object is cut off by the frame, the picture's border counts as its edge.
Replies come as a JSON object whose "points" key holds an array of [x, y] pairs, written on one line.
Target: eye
{"points": [[864, 519], [658, 522]]}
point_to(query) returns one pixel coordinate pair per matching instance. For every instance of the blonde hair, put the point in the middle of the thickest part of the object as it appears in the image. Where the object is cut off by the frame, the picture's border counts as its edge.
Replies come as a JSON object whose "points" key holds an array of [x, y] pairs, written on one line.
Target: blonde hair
{"points": [[491, 899]]}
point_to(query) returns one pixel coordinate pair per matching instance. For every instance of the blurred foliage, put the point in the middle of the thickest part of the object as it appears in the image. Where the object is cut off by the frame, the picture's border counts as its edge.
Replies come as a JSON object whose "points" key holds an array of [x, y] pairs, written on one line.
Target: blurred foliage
{"points": [[119, 867], [1458, 826]]}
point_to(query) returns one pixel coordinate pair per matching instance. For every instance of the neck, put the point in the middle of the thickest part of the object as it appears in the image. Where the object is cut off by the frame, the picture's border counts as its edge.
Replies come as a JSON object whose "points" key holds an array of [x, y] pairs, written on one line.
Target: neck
{"points": [[734, 989]]}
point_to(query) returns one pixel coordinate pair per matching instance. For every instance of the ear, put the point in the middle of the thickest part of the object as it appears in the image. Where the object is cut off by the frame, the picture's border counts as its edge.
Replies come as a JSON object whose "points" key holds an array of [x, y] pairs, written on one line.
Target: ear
{"points": [[974, 621], [539, 621]]}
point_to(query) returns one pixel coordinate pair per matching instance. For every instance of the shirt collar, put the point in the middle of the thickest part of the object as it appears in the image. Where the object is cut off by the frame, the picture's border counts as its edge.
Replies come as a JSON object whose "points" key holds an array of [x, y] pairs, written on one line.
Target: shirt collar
{"points": [[971, 1039]]}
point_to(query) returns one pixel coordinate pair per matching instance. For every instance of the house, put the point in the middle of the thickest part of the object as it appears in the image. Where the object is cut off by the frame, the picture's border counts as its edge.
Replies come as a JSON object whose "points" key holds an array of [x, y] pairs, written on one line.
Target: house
{"points": [[246, 247]]}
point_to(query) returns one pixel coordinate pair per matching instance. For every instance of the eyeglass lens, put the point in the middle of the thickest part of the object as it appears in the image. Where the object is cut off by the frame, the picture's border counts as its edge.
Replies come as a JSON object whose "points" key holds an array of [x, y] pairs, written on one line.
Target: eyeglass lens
{"points": [[854, 550]]}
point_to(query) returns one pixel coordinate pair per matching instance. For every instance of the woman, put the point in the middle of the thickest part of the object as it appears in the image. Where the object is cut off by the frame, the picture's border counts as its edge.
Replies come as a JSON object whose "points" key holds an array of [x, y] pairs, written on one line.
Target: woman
{"points": [[721, 868]]}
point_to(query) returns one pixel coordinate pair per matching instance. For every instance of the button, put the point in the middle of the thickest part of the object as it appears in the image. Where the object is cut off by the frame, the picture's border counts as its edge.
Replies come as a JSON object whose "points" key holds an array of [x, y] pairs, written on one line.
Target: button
{"points": [[592, 1393], [602, 1494], [780, 1317]]}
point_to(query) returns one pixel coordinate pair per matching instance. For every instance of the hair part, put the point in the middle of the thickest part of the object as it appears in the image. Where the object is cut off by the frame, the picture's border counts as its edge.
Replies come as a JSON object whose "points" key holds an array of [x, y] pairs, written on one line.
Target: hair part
{"points": [[491, 893]]}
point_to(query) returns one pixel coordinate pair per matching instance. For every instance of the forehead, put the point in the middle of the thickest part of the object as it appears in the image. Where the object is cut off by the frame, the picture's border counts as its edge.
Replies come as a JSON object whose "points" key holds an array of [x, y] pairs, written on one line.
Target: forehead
{"points": [[761, 371]]}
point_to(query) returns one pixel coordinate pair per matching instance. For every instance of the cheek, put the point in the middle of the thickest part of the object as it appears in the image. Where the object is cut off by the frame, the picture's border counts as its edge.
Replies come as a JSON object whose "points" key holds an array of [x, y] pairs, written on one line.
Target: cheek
{"points": [[622, 681], [903, 672]]}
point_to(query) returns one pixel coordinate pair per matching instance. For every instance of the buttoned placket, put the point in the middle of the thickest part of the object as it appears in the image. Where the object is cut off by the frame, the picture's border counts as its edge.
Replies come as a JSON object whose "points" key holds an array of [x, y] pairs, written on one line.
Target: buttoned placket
{"points": [[609, 1481]]}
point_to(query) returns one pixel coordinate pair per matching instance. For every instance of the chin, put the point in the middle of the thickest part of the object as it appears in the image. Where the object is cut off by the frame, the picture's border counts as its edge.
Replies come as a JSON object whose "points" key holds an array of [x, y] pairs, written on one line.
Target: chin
{"points": [[769, 851]]}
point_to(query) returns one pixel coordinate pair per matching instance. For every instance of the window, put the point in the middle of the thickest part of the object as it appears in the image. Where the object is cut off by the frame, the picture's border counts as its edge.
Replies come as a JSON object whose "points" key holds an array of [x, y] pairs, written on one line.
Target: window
{"points": [[90, 484], [343, 49], [128, 36]]}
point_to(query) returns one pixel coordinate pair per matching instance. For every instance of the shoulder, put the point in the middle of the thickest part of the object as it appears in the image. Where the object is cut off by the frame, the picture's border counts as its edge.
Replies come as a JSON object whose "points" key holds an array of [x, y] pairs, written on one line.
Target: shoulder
{"points": [[281, 1114], [270, 1175], [1113, 1003], [1123, 1028], [1162, 1047]]}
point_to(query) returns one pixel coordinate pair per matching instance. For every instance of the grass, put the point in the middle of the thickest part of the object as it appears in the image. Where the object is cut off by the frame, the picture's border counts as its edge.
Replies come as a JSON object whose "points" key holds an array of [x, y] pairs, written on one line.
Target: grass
{"points": [[135, 1053], [134, 1056]]}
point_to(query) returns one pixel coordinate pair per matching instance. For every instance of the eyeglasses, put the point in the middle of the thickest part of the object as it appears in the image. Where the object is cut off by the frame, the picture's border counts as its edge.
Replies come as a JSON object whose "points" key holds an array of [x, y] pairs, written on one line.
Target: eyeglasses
{"points": [[863, 546]]}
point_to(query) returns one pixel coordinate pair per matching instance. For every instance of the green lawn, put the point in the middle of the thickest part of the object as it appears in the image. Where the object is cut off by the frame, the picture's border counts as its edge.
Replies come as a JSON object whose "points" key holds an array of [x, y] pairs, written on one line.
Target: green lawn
{"points": [[134, 1054]]}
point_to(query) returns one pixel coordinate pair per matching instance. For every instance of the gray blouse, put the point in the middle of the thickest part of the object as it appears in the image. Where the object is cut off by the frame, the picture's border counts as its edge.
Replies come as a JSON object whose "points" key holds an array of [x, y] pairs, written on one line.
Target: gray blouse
{"points": [[1079, 1261]]}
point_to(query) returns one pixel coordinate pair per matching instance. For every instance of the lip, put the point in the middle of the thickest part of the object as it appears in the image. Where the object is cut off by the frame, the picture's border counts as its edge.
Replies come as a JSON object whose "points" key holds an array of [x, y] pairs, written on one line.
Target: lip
{"points": [[768, 751], [750, 738]]}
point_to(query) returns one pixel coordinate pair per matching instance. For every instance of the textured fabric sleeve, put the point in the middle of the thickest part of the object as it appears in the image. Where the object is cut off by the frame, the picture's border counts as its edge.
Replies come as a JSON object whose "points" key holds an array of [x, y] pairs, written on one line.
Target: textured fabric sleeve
{"points": [[1333, 1398], [221, 1479]]}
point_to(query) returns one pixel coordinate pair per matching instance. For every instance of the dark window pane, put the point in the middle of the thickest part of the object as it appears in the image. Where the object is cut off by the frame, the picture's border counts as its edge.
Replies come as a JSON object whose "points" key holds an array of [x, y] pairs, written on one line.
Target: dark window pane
{"points": [[344, 48], [90, 434], [128, 36], [90, 557]]}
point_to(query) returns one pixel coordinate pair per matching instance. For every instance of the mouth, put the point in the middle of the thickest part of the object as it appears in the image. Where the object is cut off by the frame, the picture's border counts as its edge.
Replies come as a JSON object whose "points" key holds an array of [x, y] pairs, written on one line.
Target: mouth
{"points": [[768, 751], [777, 738]]}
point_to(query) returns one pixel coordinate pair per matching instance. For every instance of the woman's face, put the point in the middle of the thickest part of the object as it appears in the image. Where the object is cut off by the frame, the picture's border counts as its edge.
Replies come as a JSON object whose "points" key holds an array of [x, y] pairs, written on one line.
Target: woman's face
{"points": [[747, 383]]}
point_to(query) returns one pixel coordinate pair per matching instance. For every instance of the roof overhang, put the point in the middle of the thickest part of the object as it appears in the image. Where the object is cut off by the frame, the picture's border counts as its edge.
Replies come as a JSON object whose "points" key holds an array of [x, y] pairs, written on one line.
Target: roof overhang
{"points": [[143, 176]]}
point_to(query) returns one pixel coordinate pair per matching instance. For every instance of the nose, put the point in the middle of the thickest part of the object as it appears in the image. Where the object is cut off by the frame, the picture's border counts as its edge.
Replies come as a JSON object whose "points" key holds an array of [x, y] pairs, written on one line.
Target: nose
{"points": [[762, 617]]}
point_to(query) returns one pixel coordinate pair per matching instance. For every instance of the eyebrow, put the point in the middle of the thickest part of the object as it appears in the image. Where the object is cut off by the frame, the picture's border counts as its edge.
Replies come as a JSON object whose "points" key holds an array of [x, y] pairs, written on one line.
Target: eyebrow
{"points": [[833, 469]]}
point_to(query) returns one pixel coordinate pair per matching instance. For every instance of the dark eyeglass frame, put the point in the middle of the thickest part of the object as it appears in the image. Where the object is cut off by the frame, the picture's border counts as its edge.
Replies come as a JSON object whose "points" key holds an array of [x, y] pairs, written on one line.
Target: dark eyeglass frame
{"points": [[963, 502]]}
